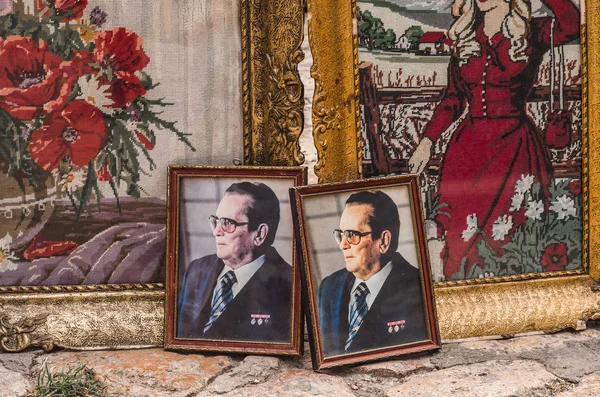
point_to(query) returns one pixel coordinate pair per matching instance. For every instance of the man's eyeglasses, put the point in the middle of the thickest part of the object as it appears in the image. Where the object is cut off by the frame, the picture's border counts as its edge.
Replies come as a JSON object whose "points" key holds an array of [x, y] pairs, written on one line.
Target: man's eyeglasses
{"points": [[352, 236], [227, 225]]}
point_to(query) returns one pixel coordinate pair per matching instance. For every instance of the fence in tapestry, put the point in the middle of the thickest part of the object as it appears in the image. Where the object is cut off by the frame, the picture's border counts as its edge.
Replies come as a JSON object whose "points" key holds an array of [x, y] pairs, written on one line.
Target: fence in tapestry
{"points": [[76, 119], [538, 226]]}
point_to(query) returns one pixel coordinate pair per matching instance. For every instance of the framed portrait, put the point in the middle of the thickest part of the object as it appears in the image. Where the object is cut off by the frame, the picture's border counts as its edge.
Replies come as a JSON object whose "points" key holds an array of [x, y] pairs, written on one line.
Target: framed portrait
{"points": [[233, 278], [493, 104], [368, 288], [97, 98]]}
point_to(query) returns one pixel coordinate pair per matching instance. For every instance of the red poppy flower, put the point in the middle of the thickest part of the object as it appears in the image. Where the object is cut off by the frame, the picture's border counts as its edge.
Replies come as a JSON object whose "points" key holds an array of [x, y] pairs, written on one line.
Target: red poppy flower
{"points": [[554, 257], [144, 141], [29, 76], [78, 130], [65, 9], [120, 49], [78, 66], [575, 187], [104, 174], [125, 89], [40, 248]]}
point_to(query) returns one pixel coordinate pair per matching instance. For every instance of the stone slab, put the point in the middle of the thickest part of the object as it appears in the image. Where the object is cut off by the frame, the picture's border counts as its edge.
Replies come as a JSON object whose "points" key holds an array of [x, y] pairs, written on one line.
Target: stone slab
{"points": [[569, 355], [296, 383], [252, 370], [570, 362], [12, 383], [490, 379], [19, 362], [150, 372], [589, 386], [397, 368]]}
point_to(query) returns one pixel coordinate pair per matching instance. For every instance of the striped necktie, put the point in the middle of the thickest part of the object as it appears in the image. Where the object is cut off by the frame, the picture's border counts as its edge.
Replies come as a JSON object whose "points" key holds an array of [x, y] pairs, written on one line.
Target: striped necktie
{"points": [[223, 296], [358, 311]]}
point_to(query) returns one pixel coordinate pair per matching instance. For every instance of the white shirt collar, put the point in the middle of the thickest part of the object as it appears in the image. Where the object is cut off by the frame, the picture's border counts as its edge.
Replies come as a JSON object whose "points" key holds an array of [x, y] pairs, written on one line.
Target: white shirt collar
{"points": [[243, 273], [374, 283]]}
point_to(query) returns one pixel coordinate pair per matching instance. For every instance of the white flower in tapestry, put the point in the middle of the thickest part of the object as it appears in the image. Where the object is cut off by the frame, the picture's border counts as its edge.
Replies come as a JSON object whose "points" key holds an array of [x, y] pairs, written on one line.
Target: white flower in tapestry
{"points": [[488, 117]]}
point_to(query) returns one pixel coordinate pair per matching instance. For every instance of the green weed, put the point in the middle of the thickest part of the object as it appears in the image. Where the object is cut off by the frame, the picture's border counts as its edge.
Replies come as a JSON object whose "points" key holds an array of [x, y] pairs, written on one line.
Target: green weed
{"points": [[71, 381]]}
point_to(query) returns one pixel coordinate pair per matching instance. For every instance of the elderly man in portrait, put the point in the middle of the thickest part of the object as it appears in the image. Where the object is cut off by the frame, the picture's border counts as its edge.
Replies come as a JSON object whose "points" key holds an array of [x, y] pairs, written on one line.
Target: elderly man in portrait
{"points": [[376, 300], [243, 292]]}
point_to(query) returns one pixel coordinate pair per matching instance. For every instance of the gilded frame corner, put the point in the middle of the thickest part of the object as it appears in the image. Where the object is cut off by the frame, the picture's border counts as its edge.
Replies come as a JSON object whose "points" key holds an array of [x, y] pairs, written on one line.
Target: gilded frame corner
{"points": [[92, 316], [468, 308]]}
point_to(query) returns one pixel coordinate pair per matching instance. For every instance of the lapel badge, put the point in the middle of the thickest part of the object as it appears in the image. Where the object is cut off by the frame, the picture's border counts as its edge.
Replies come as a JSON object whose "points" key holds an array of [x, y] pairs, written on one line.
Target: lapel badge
{"points": [[395, 326], [260, 319]]}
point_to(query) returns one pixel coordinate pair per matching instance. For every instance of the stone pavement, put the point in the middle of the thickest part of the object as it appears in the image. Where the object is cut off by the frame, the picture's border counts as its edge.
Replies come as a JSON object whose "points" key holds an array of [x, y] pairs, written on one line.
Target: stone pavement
{"points": [[565, 364]]}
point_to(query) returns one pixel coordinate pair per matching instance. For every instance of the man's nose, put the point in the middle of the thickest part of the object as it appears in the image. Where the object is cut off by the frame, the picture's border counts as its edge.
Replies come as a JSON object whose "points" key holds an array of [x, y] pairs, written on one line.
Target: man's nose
{"points": [[218, 231], [344, 244]]}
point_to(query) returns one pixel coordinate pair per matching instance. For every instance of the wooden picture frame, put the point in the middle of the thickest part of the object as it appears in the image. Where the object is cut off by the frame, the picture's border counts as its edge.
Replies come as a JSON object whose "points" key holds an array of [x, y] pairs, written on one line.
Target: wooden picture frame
{"points": [[91, 315], [396, 280], [547, 301], [263, 315]]}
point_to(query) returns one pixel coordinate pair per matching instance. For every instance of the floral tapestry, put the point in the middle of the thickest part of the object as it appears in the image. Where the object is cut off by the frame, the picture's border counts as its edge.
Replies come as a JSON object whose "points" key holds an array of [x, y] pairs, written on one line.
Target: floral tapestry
{"points": [[96, 99]]}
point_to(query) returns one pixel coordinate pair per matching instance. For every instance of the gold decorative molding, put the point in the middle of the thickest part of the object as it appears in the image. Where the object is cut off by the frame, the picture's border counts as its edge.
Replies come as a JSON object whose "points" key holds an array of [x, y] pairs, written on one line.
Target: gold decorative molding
{"points": [[244, 16], [84, 288], [515, 307], [591, 121], [81, 316], [285, 100], [324, 120], [508, 305], [19, 336], [273, 94], [81, 320], [336, 127]]}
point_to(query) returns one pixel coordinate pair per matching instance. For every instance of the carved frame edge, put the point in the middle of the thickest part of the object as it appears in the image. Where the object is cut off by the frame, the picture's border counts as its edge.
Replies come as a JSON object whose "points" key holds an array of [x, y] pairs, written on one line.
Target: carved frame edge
{"points": [[82, 321], [273, 94]]}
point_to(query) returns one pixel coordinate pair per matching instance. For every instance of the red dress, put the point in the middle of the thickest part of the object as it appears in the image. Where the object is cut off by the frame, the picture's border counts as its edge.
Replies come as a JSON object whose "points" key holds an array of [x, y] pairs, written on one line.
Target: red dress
{"points": [[497, 143]]}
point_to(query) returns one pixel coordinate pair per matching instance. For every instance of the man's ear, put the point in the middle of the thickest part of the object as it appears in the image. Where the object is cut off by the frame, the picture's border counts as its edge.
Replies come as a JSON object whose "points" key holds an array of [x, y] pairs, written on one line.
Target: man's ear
{"points": [[261, 234], [386, 238]]}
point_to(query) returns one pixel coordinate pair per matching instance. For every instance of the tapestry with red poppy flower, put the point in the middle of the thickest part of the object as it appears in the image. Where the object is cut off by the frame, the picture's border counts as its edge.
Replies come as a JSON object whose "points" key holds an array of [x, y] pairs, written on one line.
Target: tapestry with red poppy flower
{"points": [[75, 97]]}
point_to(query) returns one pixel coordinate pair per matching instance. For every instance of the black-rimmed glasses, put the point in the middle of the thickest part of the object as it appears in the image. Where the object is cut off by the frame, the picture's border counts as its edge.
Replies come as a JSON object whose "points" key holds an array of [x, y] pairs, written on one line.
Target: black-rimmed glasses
{"points": [[227, 225], [352, 236]]}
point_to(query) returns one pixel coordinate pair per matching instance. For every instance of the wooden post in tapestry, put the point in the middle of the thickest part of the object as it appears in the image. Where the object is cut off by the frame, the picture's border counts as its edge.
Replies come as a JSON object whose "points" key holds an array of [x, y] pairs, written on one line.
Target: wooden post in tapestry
{"points": [[369, 99]]}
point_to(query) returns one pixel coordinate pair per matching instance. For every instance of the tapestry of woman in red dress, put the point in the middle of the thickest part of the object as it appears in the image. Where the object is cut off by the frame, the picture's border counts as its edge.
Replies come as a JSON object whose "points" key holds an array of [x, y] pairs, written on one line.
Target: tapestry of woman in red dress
{"points": [[498, 48]]}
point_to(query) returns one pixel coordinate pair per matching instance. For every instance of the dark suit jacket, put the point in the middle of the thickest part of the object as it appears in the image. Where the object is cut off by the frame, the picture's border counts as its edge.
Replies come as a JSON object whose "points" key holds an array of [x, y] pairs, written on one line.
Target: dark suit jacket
{"points": [[268, 292], [400, 298]]}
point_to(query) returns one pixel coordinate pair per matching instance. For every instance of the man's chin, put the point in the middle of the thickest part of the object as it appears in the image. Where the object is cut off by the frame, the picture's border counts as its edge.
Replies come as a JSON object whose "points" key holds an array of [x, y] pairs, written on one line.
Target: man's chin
{"points": [[350, 266], [221, 252]]}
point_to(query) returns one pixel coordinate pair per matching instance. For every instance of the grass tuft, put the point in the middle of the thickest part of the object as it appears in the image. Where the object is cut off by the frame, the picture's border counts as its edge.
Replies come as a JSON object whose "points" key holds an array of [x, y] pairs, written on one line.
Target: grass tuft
{"points": [[71, 381]]}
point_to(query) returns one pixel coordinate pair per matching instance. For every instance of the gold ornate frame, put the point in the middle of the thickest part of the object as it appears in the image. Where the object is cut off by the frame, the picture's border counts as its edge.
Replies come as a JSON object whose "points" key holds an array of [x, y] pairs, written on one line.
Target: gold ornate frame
{"points": [[273, 95], [132, 315], [497, 306]]}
